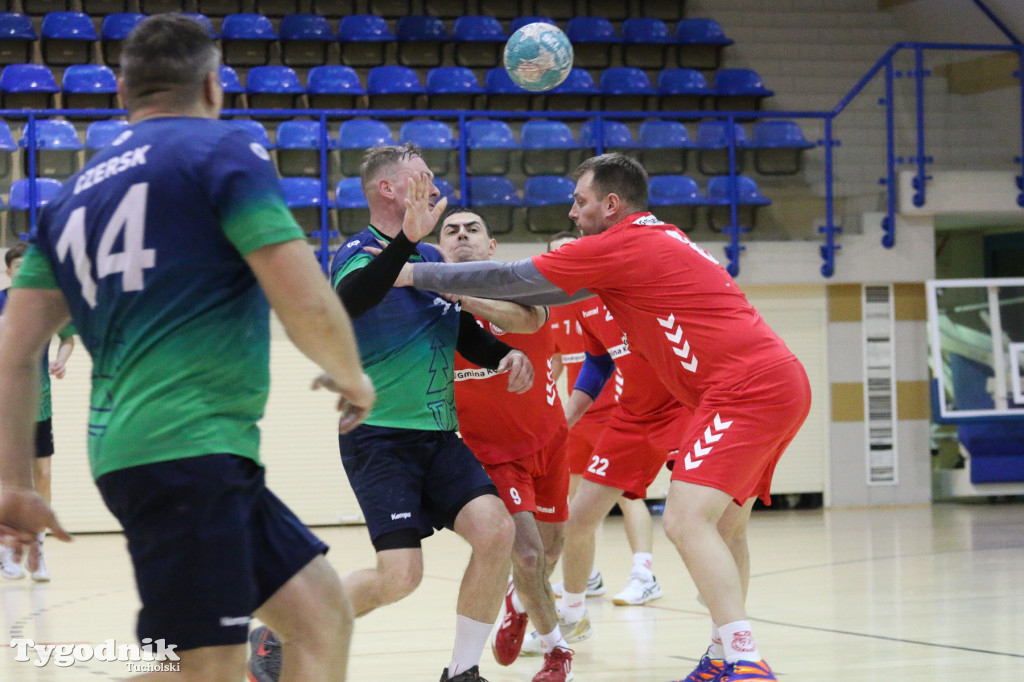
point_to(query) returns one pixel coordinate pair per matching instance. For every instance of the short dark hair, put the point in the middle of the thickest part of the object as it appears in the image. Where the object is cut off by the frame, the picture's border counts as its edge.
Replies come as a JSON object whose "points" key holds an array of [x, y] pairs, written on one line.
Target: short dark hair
{"points": [[379, 158], [463, 209], [167, 57], [618, 174], [564, 234], [15, 252]]}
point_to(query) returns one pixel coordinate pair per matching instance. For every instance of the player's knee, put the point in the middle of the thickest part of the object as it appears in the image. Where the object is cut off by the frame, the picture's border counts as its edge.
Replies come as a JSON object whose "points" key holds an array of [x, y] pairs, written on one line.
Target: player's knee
{"points": [[529, 558], [399, 580]]}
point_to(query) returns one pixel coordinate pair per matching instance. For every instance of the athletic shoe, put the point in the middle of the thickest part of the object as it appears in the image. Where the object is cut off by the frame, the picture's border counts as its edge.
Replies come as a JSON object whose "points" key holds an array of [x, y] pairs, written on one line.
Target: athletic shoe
{"points": [[41, 574], [595, 587], [748, 670], [265, 656], [9, 568], [639, 590], [708, 670], [508, 640], [471, 675], [572, 632], [557, 666]]}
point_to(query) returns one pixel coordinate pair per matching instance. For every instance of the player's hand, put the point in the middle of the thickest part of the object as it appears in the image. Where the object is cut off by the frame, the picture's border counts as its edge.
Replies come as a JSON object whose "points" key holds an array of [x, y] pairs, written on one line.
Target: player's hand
{"points": [[58, 369], [520, 371], [420, 216], [23, 515], [355, 402]]}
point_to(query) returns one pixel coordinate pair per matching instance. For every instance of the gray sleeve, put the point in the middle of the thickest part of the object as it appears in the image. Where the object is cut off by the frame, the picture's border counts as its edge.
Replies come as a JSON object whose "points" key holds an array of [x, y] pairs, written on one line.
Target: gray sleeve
{"points": [[520, 281]]}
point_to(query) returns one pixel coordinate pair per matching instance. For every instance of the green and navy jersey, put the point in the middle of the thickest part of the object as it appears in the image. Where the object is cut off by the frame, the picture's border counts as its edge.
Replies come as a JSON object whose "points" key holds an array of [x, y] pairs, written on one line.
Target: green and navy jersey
{"points": [[45, 404], [147, 243], [407, 344]]}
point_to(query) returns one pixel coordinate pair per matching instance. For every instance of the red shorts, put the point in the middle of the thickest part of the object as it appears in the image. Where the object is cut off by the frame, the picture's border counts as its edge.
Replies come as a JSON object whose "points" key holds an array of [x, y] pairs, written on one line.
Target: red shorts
{"points": [[631, 451], [583, 438], [738, 435], [537, 482]]}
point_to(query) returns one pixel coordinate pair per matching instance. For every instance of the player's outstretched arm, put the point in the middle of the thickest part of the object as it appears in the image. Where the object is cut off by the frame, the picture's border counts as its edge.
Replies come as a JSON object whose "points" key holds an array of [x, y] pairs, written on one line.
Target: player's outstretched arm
{"points": [[315, 321], [509, 316]]}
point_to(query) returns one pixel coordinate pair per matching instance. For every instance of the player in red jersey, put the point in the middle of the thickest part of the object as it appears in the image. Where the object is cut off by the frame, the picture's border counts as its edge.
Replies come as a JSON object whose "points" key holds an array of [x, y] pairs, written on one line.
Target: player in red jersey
{"points": [[520, 441], [686, 316]]}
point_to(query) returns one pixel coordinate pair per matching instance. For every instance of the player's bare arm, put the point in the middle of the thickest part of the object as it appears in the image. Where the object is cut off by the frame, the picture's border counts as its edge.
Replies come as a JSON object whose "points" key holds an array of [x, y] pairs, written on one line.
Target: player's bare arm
{"points": [[509, 316]]}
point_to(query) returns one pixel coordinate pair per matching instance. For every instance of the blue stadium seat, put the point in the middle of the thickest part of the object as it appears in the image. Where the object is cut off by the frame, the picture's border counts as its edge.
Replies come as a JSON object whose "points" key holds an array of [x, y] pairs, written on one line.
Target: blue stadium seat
{"points": [[56, 149], [490, 146], [778, 147], [394, 87], [304, 197], [114, 29], [356, 136], [453, 87], [700, 44], [519, 21], [67, 38], [202, 19], [364, 39], [27, 86], [273, 87], [593, 41], [549, 148], [719, 200], [421, 40], [675, 199], [99, 134], [16, 38], [447, 191], [625, 88], [255, 129], [503, 94], [479, 41], [350, 202], [7, 149], [21, 202], [577, 92], [646, 43], [298, 149], [304, 39], [548, 199], [246, 39], [615, 137], [682, 90], [739, 90], [664, 146], [89, 86], [232, 87], [712, 143], [334, 87], [496, 199], [436, 140]]}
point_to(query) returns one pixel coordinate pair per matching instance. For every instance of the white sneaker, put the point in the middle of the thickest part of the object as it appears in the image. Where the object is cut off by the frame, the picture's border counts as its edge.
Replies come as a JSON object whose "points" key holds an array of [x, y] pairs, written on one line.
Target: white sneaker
{"points": [[572, 632], [9, 568], [41, 574], [639, 590], [595, 586]]}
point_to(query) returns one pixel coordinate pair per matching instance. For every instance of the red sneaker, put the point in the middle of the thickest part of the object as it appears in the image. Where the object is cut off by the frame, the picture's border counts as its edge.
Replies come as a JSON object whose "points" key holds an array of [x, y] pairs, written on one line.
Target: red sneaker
{"points": [[557, 666], [508, 640]]}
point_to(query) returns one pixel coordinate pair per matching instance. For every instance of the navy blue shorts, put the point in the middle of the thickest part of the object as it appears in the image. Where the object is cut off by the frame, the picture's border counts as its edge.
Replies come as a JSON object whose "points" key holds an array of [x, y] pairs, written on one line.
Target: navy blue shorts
{"points": [[209, 542], [44, 438], [409, 482]]}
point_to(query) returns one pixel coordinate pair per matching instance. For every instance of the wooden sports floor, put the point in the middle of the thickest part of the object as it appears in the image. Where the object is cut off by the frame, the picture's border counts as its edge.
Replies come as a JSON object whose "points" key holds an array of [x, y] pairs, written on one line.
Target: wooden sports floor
{"points": [[909, 594]]}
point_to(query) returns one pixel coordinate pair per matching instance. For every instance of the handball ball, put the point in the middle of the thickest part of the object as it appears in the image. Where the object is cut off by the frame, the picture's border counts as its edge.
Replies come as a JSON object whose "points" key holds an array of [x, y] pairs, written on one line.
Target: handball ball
{"points": [[538, 56]]}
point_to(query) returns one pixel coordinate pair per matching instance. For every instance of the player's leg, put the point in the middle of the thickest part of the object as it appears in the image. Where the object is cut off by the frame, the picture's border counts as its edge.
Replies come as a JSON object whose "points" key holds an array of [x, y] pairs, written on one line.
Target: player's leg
{"points": [[398, 572], [642, 586], [41, 472], [587, 510]]}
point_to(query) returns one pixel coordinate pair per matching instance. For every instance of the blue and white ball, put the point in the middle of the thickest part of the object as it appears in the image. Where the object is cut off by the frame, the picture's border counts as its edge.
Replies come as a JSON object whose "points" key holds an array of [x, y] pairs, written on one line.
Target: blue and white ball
{"points": [[538, 56]]}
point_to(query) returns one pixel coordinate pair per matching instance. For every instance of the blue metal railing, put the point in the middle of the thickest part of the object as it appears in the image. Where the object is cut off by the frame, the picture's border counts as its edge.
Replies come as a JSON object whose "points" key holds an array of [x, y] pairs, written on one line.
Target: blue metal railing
{"points": [[830, 230]]}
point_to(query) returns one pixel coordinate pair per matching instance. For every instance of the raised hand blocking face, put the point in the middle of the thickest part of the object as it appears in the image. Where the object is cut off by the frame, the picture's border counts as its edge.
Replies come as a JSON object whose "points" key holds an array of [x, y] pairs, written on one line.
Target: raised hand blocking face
{"points": [[420, 217]]}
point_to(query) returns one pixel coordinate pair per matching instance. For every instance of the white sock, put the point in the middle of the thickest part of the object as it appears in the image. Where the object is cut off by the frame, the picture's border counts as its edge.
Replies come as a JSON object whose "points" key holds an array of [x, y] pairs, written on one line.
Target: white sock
{"points": [[594, 574], [552, 639], [516, 604], [40, 537], [470, 639], [716, 650], [738, 642], [643, 562], [573, 606]]}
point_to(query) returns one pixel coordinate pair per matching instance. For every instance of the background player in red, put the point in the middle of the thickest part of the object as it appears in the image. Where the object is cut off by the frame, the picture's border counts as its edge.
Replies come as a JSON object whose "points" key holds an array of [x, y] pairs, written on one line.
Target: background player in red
{"points": [[686, 316], [520, 440]]}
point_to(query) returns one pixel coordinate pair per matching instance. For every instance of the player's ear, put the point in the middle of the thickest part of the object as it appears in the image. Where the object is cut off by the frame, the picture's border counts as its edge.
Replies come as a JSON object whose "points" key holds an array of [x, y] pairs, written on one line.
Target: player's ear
{"points": [[612, 203]]}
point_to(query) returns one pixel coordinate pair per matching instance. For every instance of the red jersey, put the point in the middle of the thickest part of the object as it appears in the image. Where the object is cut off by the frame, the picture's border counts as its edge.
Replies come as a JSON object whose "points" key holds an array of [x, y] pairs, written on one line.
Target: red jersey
{"points": [[680, 309], [499, 426], [568, 334]]}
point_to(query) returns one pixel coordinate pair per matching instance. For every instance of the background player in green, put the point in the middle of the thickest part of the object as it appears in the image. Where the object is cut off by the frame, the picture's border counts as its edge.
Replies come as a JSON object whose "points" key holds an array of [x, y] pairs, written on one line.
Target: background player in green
{"points": [[9, 568], [165, 250]]}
